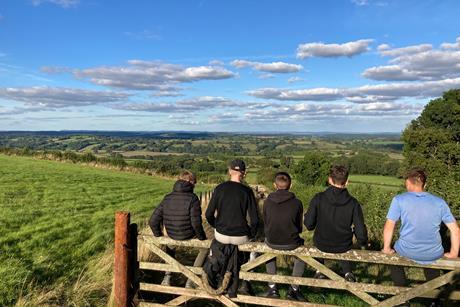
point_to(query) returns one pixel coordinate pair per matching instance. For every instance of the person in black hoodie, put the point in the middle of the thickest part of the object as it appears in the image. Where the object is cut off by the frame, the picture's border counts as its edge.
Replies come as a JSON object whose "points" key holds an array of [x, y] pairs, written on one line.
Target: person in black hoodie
{"points": [[335, 216], [180, 214], [283, 223], [230, 204]]}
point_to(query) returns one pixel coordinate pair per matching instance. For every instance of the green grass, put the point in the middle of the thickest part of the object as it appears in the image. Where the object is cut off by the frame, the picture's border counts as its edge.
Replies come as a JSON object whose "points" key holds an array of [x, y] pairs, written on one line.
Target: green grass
{"points": [[377, 180], [55, 217]]}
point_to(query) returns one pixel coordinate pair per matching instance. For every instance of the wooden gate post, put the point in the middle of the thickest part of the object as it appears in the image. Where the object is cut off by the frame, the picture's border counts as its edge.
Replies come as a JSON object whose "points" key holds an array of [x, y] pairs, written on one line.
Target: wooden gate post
{"points": [[121, 263]]}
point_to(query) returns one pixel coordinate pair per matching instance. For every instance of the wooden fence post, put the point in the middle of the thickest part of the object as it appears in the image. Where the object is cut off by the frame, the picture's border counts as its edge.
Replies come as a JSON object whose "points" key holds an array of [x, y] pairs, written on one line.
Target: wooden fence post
{"points": [[121, 263]]}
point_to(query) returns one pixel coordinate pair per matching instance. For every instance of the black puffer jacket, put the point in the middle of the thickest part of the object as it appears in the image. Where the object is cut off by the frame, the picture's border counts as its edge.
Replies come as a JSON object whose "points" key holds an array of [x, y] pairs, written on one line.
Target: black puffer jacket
{"points": [[180, 213], [335, 215]]}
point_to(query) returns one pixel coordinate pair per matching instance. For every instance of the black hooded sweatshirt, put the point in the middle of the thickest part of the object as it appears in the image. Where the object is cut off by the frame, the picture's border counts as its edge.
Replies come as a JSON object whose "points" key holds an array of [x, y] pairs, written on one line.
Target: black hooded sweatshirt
{"points": [[233, 202], [332, 214], [180, 212], [283, 220]]}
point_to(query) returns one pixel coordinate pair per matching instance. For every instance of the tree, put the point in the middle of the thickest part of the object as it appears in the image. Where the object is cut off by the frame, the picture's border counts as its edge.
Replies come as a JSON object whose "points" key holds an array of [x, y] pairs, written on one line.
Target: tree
{"points": [[432, 141], [313, 169]]}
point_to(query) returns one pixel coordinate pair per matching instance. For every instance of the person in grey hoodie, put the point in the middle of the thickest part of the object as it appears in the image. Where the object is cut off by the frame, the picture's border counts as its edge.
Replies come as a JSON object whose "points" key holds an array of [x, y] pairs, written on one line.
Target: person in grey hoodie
{"points": [[283, 223], [335, 216]]}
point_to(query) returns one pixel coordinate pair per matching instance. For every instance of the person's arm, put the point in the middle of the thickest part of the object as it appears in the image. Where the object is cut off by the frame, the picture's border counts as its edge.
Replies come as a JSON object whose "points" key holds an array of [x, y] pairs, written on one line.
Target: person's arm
{"points": [[309, 220], [451, 223], [388, 231], [393, 215], [299, 217], [454, 240], [360, 226], [156, 221], [195, 219], [210, 211], [253, 214]]}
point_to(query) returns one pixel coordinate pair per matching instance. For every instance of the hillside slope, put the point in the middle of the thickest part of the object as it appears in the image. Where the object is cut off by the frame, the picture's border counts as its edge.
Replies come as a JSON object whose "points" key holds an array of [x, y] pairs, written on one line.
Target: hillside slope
{"points": [[55, 217]]}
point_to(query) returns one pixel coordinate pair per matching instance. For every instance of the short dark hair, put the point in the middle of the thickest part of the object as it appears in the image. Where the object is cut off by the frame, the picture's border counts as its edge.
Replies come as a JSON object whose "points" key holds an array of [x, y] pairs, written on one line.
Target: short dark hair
{"points": [[416, 175], [187, 176], [282, 181], [339, 174]]}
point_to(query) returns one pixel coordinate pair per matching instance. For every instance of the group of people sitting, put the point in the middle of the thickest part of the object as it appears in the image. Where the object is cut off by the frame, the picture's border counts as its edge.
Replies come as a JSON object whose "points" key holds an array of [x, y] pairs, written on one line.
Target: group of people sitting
{"points": [[334, 215]]}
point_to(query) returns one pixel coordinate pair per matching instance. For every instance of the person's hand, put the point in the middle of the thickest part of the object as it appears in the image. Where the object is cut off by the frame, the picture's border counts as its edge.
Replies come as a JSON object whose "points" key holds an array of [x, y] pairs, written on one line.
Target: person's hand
{"points": [[450, 255], [388, 251]]}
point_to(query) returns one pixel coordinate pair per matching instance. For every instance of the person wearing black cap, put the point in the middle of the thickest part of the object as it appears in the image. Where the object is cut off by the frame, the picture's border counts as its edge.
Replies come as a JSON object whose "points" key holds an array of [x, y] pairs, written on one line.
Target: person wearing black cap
{"points": [[233, 202]]}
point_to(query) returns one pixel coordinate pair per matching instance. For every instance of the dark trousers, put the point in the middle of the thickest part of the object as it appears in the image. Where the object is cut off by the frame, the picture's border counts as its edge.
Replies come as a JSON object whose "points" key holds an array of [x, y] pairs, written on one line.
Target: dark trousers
{"points": [[399, 276], [297, 271], [344, 265]]}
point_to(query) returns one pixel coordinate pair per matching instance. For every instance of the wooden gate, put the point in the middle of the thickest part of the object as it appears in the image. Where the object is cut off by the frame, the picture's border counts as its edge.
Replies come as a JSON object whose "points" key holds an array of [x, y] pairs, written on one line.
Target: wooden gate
{"points": [[124, 285]]}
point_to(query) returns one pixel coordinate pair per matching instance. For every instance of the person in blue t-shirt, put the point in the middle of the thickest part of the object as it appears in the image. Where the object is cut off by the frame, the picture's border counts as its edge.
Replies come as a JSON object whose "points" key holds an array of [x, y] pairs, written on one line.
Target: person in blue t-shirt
{"points": [[421, 214]]}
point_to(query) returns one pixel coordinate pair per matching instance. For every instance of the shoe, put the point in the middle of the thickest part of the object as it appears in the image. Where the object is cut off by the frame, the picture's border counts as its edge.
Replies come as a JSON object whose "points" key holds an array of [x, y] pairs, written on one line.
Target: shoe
{"points": [[436, 303], [350, 277], [190, 284], [319, 275], [245, 288], [272, 292], [166, 280], [295, 295]]}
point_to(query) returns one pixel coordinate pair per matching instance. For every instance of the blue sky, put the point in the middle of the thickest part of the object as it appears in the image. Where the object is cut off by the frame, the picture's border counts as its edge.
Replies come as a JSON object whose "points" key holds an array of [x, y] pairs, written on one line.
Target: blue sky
{"points": [[256, 66]]}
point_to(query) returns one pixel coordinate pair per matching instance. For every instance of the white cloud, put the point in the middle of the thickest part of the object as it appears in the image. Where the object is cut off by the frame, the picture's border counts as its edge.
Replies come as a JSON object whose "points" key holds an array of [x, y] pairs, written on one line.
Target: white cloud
{"points": [[386, 50], [449, 46], [192, 105], [185, 105], [266, 76], [362, 94], [61, 3], [418, 62], [147, 75], [313, 94], [390, 72], [274, 67], [319, 49], [50, 98], [144, 35], [166, 93], [216, 63], [306, 111], [163, 78], [360, 2], [295, 79]]}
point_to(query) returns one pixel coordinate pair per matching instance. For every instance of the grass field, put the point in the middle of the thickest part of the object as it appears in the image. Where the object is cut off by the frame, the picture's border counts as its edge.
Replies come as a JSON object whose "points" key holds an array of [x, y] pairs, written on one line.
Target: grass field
{"points": [[56, 229], [384, 181], [56, 217]]}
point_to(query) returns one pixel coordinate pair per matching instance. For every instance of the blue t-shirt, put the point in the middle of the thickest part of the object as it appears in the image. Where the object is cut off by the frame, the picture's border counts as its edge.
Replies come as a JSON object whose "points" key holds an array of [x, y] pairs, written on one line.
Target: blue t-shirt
{"points": [[421, 214]]}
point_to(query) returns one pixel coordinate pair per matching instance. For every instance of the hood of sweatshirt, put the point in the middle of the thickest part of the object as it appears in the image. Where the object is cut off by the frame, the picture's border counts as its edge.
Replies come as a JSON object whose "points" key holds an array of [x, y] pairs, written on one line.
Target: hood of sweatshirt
{"points": [[337, 196], [281, 196], [183, 186]]}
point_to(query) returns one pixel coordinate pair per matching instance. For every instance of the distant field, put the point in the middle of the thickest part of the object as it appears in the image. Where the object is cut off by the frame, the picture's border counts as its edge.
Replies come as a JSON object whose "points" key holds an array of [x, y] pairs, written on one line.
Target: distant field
{"points": [[388, 181], [149, 153], [56, 216]]}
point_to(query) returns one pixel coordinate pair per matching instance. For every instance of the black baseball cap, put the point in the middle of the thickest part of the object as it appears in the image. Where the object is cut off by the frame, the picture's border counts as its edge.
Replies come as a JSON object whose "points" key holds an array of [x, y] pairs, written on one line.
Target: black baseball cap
{"points": [[238, 165]]}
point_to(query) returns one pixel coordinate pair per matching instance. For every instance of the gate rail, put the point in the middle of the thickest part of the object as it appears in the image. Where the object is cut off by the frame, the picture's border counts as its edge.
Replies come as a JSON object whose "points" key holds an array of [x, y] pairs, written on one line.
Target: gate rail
{"points": [[427, 289]]}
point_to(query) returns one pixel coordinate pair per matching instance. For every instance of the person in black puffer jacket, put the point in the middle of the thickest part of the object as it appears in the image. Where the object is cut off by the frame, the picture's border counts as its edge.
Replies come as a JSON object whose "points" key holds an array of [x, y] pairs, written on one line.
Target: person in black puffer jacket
{"points": [[180, 214], [335, 216]]}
